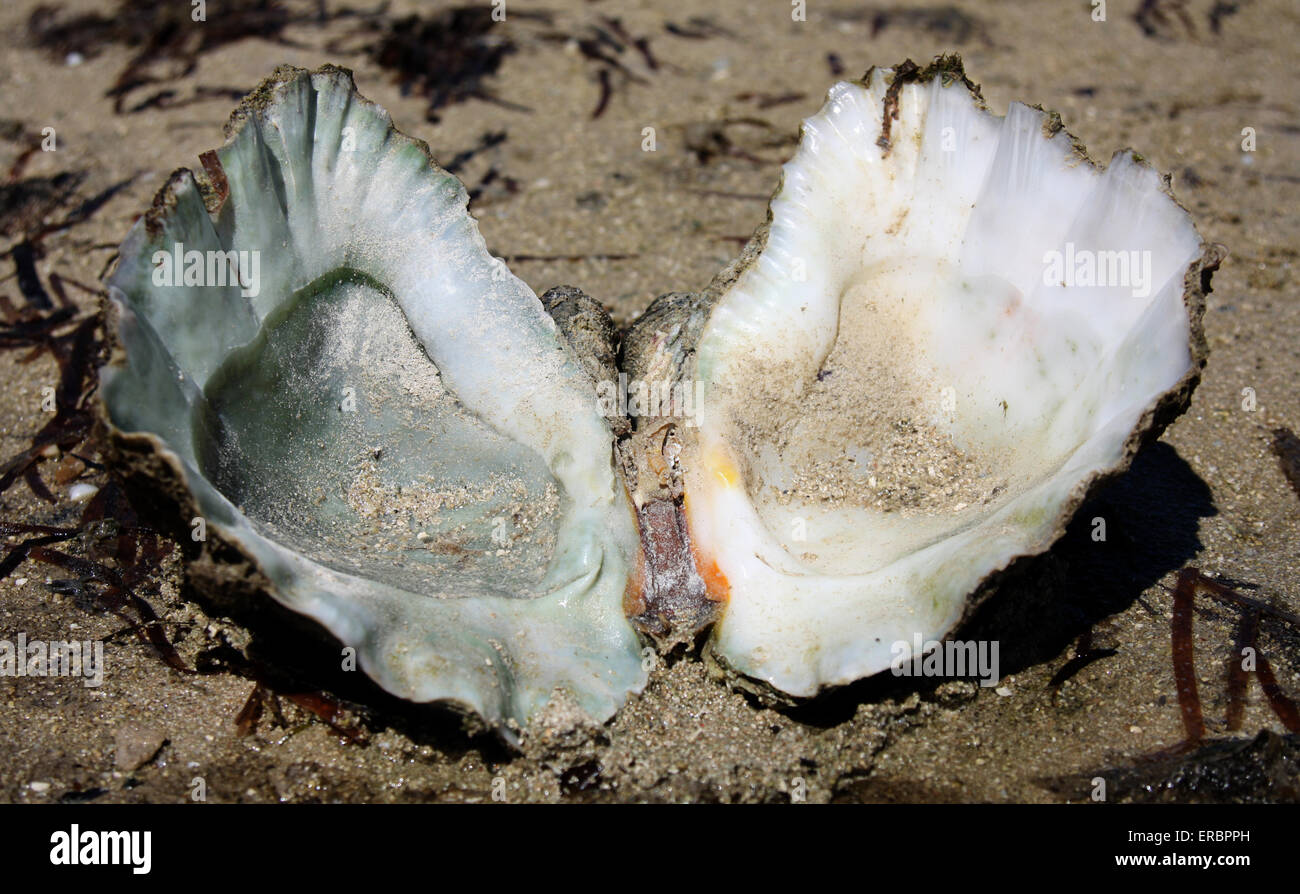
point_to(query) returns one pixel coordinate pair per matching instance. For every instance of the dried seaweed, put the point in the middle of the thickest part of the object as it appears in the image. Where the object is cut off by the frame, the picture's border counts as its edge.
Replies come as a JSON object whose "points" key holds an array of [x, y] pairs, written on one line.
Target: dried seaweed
{"points": [[607, 45], [135, 553], [330, 711], [75, 352], [1171, 19], [948, 23], [698, 28], [1191, 583], [1220, 11], [494, 182], [29, 282], [602, 256], [1084, 655], [710, 140], [19, 553], [640, 44], [1282, 706], [123, 558], [167, 98], [325, 708], [1238, 680], [248, 716], [25, 205], [769, 100], [1156, 18], [1286, 447], [30, 140], [166, 39], [488, 140], [1189, 701], [727, 194], [449, 56], [606, 91], [1262, 770]]}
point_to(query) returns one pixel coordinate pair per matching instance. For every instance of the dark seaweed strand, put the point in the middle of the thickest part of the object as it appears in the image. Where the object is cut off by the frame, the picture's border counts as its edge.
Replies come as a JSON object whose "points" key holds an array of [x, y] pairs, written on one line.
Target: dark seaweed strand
{"points": [[1191, 582], [1238, 679], [1189, 702], [1286, 446], [1283, 707], [1084, 655]]}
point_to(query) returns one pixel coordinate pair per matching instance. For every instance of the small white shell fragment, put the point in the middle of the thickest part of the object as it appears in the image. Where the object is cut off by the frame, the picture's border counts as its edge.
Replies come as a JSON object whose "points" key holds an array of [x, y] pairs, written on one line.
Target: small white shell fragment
{"points": [[81, 491]]}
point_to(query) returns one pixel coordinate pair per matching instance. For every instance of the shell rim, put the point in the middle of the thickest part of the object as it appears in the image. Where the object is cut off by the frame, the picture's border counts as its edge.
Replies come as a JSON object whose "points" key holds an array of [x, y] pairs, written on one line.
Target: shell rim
{"points": [[1158, 414]]}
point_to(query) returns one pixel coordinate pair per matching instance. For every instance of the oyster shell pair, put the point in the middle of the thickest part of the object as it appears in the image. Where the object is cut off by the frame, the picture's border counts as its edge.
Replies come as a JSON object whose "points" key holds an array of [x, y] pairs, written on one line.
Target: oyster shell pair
{"points": [[887, 399]]}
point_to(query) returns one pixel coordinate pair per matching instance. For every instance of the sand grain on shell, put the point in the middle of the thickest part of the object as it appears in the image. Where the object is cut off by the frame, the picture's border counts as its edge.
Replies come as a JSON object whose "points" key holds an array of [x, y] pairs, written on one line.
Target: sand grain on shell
{"points": [[866, 430]]}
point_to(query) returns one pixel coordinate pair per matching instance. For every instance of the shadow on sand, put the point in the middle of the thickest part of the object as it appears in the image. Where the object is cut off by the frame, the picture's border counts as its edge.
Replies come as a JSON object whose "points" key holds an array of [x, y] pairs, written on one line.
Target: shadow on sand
{"points": [[1045, 603]]}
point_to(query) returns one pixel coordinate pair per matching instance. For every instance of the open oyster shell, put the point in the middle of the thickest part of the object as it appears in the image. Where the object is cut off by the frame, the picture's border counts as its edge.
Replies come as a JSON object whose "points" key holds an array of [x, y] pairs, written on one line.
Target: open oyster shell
{"points": [[895, 392], [911, 377], [373, 412]]}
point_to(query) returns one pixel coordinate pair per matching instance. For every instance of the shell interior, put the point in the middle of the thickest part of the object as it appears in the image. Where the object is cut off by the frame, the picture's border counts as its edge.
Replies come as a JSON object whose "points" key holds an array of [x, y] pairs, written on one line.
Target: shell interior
{"points": [[903, 394], [377, 412], [953, 325]]}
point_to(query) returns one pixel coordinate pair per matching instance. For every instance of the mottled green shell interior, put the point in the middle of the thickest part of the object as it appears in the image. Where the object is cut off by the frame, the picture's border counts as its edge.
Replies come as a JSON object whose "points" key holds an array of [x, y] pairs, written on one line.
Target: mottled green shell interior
{"points": [[388, 424], [334, 434]]}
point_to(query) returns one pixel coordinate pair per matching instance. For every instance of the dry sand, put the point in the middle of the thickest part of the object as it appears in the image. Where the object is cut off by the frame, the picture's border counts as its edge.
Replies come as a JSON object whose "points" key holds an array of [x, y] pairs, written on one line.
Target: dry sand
{"points": [[589, 207]]}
